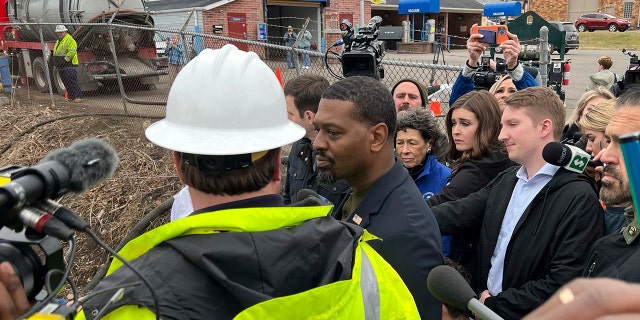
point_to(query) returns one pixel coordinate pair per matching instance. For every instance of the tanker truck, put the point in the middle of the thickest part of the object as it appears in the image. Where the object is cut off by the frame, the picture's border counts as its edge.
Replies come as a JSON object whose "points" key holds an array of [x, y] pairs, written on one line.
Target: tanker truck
{"points": [[135, 49]]}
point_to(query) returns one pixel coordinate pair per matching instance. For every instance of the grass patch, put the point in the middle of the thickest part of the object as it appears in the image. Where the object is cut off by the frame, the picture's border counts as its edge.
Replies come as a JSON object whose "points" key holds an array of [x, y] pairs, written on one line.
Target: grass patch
{"points": [[603, 39]]}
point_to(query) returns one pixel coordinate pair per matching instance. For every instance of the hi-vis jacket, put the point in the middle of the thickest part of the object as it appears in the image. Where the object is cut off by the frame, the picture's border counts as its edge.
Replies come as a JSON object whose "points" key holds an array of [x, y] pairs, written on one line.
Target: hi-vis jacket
{"points": [[68, 48], [256, 263]]}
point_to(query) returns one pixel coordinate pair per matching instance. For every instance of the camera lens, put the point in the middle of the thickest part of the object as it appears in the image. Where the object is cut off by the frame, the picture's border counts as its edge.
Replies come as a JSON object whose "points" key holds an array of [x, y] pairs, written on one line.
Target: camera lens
{"points": [[26, 264]]}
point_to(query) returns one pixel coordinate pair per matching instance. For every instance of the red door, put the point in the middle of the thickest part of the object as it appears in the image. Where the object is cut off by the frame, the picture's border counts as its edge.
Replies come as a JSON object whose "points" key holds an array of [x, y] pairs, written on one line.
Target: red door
{"points": [[238, 28]]}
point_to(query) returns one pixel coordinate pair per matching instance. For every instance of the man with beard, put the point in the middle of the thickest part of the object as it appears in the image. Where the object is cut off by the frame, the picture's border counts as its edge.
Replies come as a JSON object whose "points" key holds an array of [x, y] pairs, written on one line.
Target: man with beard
{"points": [[355, 124], [618, 255], [410, 93]]}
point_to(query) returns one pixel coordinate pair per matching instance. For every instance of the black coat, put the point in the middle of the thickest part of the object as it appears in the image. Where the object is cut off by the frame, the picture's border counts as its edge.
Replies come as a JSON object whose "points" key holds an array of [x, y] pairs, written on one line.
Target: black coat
{"points": [[395, 211], [616, 256], [550, 241], [471, 176]]}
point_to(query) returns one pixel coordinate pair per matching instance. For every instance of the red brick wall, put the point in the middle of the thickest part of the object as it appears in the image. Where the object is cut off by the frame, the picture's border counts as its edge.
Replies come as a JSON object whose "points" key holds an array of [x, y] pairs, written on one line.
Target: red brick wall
{"points": [[555, 10], [218, 16]]}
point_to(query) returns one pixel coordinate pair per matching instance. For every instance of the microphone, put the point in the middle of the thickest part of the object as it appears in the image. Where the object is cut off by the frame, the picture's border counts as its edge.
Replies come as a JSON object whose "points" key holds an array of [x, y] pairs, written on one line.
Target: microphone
{"points": [[448, 286], [570, 157], [312, 197], [76, 168]]}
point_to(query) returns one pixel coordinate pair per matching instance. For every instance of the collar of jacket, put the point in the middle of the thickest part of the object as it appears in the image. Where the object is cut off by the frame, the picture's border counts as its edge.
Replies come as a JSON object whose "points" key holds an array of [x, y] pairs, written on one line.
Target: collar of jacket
{"points": [[229, 220], [372, 202]]}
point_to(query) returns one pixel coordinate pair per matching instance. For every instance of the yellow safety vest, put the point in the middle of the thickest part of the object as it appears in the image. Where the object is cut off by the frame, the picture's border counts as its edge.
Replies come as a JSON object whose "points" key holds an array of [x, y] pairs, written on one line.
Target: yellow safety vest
{"points": [[375, 290], [67, 47]]}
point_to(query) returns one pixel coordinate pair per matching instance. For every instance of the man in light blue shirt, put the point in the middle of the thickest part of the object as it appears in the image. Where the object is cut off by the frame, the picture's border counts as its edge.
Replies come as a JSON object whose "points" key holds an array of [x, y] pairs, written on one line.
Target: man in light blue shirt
{"points": [[536, 221]]}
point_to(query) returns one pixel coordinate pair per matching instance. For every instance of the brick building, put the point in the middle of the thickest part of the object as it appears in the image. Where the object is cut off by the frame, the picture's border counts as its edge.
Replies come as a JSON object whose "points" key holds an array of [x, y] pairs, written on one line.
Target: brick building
{"points": [[248, 19]]}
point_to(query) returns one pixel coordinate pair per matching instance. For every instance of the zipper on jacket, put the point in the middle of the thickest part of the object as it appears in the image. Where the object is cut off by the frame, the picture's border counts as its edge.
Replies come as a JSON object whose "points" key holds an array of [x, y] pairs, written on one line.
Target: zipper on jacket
{"points": [[591, 268]]}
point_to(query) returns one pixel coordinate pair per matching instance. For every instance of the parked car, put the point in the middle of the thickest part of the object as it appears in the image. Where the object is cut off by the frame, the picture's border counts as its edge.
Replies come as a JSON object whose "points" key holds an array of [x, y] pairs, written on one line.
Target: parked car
{"points": [[601, 21], [572, 39]]}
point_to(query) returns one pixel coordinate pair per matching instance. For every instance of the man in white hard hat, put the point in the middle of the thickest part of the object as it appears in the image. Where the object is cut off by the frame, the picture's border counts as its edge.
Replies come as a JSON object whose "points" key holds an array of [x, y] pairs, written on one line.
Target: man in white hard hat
{"points": [[241, 247], [65, 52]]}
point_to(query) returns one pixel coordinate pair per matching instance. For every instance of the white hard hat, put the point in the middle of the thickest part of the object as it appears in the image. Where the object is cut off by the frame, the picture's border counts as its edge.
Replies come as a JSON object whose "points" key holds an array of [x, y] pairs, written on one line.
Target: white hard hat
{"points": [[225, 102], [61, 28]]}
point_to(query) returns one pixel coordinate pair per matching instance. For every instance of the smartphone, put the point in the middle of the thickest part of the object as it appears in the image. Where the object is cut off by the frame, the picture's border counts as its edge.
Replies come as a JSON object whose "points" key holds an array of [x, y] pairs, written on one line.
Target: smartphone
{"points": [[491, 34]]}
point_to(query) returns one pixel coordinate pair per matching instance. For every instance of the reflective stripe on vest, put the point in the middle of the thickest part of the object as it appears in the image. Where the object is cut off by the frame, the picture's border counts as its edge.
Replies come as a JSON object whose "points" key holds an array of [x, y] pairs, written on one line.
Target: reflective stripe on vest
{"points": [[369, 288]]}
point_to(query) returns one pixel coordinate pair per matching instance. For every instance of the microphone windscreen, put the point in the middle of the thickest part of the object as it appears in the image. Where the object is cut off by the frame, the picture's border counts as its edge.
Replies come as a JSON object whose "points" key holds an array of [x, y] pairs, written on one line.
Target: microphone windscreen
{"points": [[448, 286], [89, 161], [556, 154]]}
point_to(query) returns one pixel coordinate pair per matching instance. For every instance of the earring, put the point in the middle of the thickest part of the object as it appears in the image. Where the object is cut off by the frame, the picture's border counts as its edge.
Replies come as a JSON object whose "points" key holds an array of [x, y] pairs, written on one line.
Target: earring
{"points": [[429, 150]]}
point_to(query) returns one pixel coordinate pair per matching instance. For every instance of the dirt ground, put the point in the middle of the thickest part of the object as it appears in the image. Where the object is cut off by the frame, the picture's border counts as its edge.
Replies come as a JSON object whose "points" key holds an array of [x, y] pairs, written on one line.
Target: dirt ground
{"points": [[29, 128]]}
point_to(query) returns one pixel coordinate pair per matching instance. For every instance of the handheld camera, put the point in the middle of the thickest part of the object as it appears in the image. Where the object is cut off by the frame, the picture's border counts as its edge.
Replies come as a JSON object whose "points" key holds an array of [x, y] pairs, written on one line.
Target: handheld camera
{"points": [[491, 34], [484, 78]]}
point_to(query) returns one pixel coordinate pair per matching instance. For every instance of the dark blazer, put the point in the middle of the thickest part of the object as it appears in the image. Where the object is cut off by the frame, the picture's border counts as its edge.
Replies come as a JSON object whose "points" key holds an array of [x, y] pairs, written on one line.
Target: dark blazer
{"points": [[395, 211], [549, 243]]}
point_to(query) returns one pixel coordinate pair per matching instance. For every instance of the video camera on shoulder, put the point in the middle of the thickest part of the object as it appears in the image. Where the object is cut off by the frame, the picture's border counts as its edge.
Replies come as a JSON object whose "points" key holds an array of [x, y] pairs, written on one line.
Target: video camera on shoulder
{"points": [[363, 52], [484, 78]]}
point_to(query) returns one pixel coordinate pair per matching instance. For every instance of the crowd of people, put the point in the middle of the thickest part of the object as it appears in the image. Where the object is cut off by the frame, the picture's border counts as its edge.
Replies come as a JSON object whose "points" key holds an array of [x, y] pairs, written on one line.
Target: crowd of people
{"points": [[376, 196]]}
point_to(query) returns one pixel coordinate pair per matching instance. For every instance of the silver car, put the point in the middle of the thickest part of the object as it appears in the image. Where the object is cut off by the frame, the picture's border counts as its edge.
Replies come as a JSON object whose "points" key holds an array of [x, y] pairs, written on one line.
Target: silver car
{"points": [[572, 39]]}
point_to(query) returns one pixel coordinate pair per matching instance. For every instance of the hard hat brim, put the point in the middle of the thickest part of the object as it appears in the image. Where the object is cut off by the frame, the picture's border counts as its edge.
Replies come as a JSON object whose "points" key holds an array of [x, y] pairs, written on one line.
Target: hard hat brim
{"points": [[211, 141]]}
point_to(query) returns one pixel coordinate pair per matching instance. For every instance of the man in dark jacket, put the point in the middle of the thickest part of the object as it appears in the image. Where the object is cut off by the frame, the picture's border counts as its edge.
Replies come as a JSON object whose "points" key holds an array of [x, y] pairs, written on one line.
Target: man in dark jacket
{"points": [[618, 255], [536, 221], [303, 94], [356, 123]]}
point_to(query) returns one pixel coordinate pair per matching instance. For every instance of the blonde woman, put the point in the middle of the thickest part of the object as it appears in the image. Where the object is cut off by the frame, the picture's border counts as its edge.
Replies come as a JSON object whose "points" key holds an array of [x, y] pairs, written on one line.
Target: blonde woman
{"points": [[588, 100], [593, 124]]}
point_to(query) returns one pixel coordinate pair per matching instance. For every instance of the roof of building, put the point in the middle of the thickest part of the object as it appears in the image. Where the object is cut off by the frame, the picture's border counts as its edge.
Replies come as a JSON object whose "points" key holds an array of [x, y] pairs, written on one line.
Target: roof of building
{"points": [[164, 5], [445, 5]]}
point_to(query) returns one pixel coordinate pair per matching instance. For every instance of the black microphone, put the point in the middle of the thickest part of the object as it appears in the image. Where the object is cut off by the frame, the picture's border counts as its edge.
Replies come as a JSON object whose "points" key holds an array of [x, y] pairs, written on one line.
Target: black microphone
{"points": [[313, 198], [570, 157], [76, 168], [448, 286]]}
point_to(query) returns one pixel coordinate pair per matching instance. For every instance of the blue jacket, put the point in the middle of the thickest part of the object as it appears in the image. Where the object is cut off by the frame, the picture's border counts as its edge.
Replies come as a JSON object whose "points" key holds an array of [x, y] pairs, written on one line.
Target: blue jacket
{"points": [[434, 176], [393, 209], [464, 85]]}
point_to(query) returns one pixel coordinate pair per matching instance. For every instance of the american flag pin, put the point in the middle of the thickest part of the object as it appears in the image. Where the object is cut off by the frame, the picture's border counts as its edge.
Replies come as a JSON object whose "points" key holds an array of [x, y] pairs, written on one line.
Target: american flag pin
{"points": [[357, 219]]}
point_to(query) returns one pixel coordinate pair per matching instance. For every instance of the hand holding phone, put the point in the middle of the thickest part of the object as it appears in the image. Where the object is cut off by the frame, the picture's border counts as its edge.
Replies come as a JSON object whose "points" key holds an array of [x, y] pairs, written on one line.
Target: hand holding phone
{"points": [[491, 34]]}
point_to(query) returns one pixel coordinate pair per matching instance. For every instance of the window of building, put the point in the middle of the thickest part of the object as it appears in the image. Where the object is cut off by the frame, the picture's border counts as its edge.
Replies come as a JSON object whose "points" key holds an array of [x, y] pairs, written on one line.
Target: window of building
{"points": [[626, 12]]}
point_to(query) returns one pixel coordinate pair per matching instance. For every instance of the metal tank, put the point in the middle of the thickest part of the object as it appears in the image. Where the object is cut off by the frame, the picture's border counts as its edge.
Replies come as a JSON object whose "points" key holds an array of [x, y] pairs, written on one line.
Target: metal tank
{"points": [[71, 11]]}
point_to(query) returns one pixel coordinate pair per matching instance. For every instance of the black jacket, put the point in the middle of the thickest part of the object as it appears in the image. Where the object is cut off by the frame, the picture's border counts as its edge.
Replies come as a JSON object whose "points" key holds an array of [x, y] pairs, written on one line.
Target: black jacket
{"points": [[301, 175], [395, 211], [470, 177], [549, 243], [616, 255]]}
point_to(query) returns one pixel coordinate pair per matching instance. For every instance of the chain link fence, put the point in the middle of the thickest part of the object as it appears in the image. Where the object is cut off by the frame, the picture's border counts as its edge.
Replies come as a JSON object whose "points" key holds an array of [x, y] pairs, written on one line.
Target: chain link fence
{"points": [[125, 87]]}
